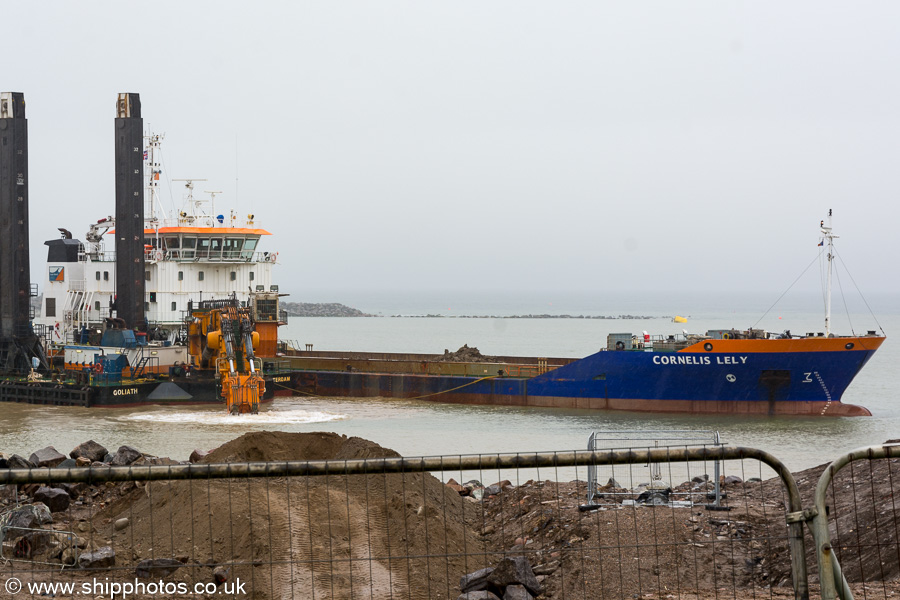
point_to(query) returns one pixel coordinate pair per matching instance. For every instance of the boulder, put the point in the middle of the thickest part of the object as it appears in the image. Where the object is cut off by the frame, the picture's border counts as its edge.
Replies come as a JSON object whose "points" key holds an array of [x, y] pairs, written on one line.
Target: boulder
{"points": [[472, 485], [479, 595], [125, 455], [457, 488], [27, 516], [33, 544], [157, 567], [56, 499], [512, 571], [517, 592], [90, 450], [99, 559], [83, 461], [4, 460], [732, 479], [29, 488], [492, 490], [18, 462], [47, 457], [121, 524], [197, 455], [475, 581], [653, 497], [69, 463]]}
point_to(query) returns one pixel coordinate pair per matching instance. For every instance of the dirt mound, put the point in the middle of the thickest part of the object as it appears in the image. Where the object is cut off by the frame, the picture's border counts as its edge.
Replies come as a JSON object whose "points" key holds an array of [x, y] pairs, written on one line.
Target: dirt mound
{"points": [[279, 445], [466, 354], [862, 515], [335, 536]]}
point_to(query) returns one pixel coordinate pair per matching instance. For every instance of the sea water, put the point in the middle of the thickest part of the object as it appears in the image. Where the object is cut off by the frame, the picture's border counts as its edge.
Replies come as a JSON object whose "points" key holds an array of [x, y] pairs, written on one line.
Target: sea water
{"points": [[417, 428]]}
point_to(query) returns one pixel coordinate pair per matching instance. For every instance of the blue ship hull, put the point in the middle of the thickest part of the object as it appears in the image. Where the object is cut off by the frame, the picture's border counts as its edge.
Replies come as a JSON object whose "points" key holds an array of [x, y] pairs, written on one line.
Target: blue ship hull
{"points": [[801, 376]]}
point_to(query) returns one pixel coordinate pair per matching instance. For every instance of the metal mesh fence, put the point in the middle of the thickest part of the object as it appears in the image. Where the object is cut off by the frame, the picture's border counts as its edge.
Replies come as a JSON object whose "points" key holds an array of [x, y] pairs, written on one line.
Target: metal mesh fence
{"points": [[856, 526], [401, 528]]}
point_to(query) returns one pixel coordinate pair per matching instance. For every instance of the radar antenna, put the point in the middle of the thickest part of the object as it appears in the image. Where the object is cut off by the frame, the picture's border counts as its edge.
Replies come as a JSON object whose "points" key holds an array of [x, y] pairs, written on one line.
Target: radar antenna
{"points": [[189, 184]]}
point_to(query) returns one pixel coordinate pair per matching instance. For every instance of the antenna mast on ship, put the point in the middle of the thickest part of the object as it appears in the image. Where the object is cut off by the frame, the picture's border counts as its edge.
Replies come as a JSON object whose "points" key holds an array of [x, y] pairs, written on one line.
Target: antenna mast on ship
{"points": [[190, 218], [828, 237], [153, 170]]}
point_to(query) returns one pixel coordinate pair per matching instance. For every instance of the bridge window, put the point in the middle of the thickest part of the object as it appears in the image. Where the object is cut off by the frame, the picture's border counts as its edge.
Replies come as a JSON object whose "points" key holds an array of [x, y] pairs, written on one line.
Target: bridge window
{"points": [[187, 247]]}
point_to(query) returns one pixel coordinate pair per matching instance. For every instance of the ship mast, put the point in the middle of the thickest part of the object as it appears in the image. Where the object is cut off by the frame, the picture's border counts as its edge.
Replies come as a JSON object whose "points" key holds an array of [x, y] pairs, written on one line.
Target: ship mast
{"points": [[829, 238], [152, 172]]}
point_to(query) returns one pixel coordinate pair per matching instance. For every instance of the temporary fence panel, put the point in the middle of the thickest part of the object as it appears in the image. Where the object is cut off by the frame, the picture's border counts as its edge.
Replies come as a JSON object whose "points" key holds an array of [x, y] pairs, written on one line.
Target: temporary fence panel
{"points": [[855, 524], [387, 528], [602, 482]]}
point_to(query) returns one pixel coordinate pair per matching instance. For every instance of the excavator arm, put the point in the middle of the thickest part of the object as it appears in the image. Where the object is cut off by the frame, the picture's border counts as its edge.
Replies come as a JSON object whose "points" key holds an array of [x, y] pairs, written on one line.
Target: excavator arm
{"points": [[241, 383]]}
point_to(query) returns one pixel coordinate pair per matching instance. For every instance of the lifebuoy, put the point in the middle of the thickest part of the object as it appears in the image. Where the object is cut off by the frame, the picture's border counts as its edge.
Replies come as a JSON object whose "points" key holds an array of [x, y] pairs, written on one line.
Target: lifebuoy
{"points": [[620, 345], [98, 368], [158, 255], [726, 336]]}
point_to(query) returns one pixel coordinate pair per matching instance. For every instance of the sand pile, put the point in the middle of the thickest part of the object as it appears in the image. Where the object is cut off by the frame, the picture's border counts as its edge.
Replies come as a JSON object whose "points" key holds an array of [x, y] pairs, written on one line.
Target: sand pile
{"points": [[347, 536]]}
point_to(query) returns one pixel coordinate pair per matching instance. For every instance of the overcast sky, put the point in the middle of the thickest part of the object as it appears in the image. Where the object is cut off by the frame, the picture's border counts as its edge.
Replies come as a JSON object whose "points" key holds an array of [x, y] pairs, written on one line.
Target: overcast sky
{"points": [[486, 145]]}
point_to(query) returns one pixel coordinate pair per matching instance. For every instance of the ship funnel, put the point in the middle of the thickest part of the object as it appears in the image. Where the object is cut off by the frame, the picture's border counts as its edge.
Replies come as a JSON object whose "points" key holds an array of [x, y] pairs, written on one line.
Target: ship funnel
{"points": [[129, 135], [18, 343]]}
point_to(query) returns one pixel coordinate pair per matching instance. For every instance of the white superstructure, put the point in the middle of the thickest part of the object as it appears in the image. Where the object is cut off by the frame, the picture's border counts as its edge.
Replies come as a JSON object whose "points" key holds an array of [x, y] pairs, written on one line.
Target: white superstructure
{"points": [[189, 256]]}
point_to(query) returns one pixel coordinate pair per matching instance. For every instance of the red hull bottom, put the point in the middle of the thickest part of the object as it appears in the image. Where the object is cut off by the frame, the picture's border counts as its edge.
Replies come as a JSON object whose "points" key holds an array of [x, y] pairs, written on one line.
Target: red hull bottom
{"points": [[696, 407]]}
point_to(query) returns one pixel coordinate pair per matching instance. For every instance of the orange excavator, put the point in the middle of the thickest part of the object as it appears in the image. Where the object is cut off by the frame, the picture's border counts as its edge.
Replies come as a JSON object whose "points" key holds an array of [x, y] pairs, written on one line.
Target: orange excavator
{"points": [[223, 330]]}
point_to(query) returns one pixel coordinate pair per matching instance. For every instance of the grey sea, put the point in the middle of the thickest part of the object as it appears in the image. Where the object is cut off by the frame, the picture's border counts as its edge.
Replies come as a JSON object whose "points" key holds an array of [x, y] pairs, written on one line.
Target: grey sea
{"points": [[417, 428]]}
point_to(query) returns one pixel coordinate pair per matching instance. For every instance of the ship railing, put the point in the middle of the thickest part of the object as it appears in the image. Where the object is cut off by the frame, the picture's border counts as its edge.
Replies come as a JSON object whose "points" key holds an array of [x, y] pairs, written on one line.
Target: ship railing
{"points": [[222, 256], [528, 371], [599, 493], [101, 256]]}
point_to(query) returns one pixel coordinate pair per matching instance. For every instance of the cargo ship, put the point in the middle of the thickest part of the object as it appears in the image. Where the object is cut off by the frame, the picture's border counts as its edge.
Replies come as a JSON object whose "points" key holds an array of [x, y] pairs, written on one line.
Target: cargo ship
{"points": [[748, 371]]}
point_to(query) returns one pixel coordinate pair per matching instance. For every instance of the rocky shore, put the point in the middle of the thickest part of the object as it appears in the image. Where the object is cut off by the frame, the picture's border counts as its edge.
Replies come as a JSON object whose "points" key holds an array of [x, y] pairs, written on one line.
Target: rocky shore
{"points": [[328, 309], [413, 535], [334, 309]]}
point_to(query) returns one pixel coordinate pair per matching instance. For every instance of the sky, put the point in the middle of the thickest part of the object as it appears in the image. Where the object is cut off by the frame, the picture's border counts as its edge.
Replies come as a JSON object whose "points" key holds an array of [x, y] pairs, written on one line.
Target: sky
{"points": [[500, 146]]}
